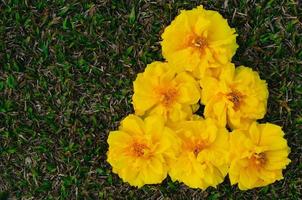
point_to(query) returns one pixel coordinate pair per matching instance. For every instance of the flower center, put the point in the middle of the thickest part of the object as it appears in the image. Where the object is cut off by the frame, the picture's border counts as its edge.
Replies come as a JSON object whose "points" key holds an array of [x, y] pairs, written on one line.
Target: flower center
{"points": [[198, 148], [168, 96], [200, 42], [236, 98], [139, 149], [258, 159]]}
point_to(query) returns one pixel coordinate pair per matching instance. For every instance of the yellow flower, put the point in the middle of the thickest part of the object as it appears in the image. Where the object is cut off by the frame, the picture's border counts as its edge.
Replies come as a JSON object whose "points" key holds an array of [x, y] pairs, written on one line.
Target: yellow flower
{"points": [[159, 90], [202, 159], [257, 155], [198, 40], [139, 151], [238, 97]]}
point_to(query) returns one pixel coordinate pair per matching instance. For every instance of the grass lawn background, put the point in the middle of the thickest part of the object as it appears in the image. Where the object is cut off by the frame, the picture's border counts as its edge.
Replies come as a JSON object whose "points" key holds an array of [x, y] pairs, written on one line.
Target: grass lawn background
{"points": [[66, 72]]}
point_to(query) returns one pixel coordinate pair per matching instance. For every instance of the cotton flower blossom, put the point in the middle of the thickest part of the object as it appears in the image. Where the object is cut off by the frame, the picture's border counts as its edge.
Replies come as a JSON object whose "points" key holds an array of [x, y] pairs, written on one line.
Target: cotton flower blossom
{"points": [[140, 150], [160, 90], [257, 155], [237, 98], [202, 158], [199, 41]]}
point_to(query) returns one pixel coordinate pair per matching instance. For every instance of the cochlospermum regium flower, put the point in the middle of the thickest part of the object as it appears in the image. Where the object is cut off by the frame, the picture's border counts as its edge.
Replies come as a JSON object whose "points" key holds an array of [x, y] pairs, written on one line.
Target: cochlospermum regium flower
{"points": [[140, 150], [202, 158], [237, 98], [257, 155], [199, 40], [159, 90]]}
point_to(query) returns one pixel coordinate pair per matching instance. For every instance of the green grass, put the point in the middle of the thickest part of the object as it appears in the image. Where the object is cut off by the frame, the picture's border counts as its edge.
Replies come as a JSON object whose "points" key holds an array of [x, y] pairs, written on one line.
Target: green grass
{"points": [[66, 72]]}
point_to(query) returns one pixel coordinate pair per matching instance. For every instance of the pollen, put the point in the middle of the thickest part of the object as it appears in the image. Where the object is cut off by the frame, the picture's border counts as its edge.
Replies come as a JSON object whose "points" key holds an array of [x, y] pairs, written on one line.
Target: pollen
{"points": [[168, 96], [138, 149], [258, 159], [236, 98], [199, 42]]}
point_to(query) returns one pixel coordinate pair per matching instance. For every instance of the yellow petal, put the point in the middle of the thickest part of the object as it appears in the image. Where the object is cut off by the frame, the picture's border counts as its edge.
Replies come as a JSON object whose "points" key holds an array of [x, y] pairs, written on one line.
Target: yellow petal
{"points": [[132, 124]]}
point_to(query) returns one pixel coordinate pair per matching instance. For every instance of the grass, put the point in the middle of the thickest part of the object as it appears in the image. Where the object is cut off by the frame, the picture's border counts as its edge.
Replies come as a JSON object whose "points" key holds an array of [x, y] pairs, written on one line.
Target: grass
{"points": [[66, 72]]}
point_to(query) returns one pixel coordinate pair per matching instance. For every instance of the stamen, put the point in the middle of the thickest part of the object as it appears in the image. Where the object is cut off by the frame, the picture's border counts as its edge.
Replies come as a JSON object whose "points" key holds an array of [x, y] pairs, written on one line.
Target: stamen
{"points": [[236, 98], [198, 148], [259, 159], [199, 42], [139, 149], [168, 96]]}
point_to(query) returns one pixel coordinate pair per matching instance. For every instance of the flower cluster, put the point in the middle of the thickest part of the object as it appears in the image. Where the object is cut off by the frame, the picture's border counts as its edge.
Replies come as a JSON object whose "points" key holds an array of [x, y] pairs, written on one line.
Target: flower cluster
{"points": [[165, 136]]}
